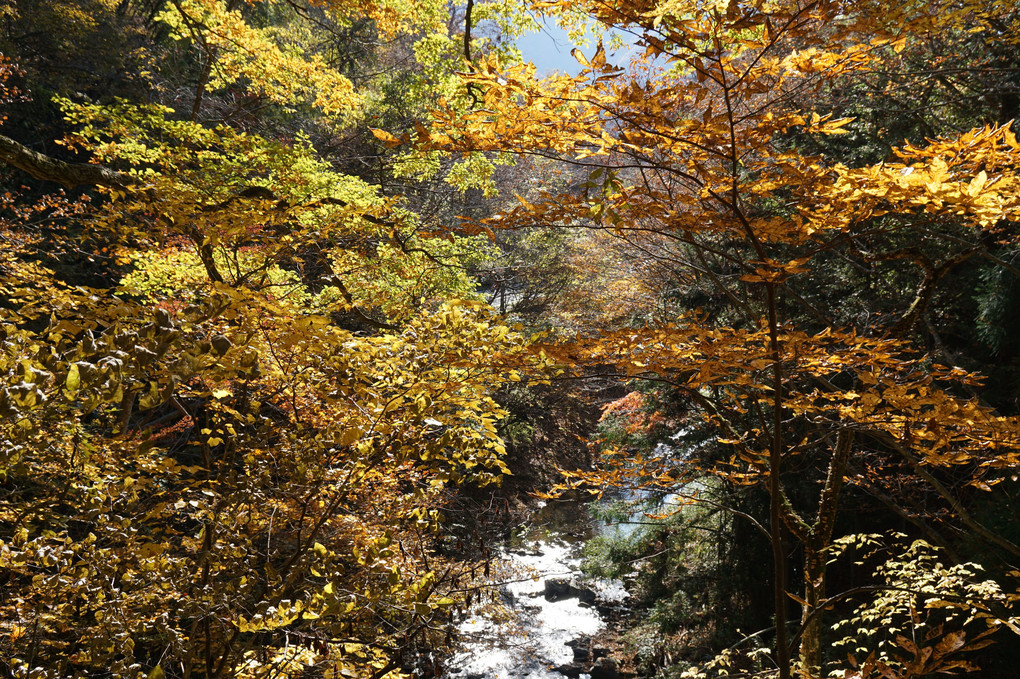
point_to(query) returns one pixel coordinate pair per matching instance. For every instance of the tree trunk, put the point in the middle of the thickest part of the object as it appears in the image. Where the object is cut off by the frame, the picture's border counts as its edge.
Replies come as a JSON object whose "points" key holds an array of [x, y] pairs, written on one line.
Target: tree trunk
{"points": [[775, 489], [811, 622], [815, 541]]}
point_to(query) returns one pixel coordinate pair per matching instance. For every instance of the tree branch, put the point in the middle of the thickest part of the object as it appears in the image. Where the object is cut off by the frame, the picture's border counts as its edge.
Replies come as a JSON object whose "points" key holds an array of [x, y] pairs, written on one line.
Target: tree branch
{"points": [[70, 175]]}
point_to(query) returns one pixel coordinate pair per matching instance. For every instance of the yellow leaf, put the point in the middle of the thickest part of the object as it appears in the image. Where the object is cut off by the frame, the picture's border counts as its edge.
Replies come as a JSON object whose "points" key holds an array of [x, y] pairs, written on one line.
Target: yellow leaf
{"points": [[73, 379], [977, 183]]}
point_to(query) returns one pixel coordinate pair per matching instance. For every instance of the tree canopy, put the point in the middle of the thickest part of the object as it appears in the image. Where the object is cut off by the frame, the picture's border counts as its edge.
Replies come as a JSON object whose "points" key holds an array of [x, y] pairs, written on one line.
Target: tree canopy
{"points": [[709, 158]]}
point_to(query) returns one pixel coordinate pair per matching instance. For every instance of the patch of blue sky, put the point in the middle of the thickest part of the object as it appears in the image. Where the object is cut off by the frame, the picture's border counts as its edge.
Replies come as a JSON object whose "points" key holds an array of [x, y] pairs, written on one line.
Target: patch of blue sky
{"points": [[550, 48]]}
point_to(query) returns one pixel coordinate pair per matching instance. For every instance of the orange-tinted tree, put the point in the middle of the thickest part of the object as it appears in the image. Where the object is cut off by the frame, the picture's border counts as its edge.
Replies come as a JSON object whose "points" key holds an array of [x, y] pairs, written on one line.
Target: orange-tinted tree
{"points": [[696, 162]]}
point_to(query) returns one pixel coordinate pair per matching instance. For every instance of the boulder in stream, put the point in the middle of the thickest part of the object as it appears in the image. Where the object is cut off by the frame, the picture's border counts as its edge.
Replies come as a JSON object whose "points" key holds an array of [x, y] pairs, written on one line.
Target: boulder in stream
{"points": [[557, 589], [572, 670], [605, 668]]}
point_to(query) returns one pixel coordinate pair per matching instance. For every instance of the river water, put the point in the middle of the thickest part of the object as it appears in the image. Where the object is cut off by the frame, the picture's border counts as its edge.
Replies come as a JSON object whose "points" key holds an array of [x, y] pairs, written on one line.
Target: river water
{"points": [[526, 635]]}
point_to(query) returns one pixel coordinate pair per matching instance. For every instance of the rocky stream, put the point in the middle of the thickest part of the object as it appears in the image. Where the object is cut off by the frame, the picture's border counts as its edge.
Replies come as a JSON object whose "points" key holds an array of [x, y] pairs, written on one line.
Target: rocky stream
{"points": [[547, 619]]}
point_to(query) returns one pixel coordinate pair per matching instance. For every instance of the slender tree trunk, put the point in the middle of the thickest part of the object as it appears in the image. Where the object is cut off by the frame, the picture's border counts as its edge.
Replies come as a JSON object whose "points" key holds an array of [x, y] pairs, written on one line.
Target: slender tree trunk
{"points": [[775, 489], [811, 625], [815, 541], [203, 80]]}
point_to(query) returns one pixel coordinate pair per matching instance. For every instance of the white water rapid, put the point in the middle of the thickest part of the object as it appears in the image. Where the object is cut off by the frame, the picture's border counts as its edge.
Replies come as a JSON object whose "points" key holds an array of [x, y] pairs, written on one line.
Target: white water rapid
{"points": [[544, 609]]}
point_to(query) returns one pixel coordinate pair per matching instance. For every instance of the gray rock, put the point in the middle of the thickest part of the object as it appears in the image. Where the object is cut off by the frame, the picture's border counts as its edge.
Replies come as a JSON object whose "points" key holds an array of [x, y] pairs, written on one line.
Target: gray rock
{"points": [[557, 589], [605, 668], [573, 670]]}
